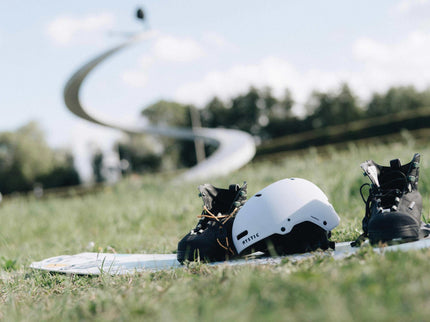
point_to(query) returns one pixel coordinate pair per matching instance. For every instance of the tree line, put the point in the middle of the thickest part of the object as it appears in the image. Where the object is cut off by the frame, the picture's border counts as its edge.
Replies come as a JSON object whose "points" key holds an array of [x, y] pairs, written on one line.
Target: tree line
{"points": [[263, 115]]}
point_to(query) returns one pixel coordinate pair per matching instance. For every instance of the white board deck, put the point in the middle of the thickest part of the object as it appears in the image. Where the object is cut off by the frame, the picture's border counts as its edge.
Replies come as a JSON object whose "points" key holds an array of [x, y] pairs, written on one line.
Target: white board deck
{"points": [[115, 264], [120, 264]]}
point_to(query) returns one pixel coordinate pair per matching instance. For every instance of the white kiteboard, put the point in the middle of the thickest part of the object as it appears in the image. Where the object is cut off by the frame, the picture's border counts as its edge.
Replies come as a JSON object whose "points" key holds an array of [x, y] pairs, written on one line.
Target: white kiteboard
{"points": [[120, 264]]}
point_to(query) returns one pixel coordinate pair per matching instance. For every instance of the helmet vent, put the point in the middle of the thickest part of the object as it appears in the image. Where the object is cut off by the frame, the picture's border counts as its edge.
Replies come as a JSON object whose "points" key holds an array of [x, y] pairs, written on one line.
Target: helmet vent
{"points": [[282, 228], [258, 195], [242, 234]]}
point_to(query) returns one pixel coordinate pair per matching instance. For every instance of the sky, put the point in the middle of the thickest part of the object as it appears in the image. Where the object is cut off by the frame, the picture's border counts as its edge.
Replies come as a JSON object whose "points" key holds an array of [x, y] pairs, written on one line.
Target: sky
{"points": [[198, 49]]}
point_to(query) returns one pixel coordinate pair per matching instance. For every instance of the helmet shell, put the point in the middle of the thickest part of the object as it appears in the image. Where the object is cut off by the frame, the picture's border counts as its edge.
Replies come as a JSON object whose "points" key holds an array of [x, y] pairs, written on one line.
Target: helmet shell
{"points": [[280, 206]]}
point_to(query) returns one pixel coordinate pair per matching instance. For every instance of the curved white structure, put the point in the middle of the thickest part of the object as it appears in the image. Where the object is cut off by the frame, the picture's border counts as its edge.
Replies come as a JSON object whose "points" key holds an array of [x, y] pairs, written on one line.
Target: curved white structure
{"points": [[235, 148]]}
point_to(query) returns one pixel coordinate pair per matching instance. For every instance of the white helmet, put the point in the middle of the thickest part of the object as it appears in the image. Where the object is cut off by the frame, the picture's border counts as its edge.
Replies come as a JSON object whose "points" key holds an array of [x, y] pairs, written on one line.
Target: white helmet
{"points": [[284, 212]]}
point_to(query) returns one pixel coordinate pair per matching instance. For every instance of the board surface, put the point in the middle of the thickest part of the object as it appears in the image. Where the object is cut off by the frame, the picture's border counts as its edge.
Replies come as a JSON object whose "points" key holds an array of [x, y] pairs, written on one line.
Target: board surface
{"points": [[97, 263], [119, 264]]}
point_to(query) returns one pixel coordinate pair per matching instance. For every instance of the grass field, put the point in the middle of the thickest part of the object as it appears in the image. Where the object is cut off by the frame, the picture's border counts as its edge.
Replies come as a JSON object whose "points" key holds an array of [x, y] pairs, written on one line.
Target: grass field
{"points": [[150, 215]]}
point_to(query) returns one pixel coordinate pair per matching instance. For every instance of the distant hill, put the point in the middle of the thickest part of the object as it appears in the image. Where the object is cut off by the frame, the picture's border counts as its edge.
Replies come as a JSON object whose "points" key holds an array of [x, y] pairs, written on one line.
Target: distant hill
{"points": [[358, 130]]}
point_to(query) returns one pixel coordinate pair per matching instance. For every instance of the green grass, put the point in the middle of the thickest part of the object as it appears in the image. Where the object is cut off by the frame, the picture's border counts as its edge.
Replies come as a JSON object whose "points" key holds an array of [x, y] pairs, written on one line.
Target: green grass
{"points": [[150, 215]]}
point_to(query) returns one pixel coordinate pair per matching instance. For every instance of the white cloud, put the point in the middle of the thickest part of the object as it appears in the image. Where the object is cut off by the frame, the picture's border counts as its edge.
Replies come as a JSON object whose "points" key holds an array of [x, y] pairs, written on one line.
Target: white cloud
{"points": [[65, 30], [135, 78], [215, 39], [381, 65], [138, 77], [405, 6], [165, 48], [174, 49], [271, 72], [405, 62], [146, 61], [277, 73]]}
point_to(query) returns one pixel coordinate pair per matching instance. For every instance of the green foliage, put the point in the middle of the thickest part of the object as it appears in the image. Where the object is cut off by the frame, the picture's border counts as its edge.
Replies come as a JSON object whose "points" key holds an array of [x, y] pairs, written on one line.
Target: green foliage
{"points": [[387, 128], [244, 112], [175, 154], [215, 113], [24, 155], [397, 99], [63, 174], [269, 118], [254, 112], [8, 264], [144, 153], [333, 108], [26, 159], [168, 113], [141, 153]]}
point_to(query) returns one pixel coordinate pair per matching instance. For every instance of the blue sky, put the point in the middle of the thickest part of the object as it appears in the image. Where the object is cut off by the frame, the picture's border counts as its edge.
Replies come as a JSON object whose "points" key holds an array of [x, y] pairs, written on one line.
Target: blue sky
{"points": [[199, 49]]}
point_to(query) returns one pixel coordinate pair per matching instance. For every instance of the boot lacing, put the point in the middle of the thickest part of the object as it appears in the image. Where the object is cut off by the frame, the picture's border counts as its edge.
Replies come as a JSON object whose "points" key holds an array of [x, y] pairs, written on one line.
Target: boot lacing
{"points": [[376, 193], [219, 216], [208, 214]]}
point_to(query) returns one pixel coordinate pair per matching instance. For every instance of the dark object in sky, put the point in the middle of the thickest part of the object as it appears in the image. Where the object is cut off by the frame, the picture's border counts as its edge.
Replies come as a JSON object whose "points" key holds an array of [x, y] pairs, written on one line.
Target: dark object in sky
{"points": [[140, 14]]}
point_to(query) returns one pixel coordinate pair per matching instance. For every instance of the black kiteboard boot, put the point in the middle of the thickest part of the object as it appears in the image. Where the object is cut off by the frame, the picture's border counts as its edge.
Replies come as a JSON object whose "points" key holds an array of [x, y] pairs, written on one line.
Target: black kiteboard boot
{"points": [[394, 204], [211, 239]]}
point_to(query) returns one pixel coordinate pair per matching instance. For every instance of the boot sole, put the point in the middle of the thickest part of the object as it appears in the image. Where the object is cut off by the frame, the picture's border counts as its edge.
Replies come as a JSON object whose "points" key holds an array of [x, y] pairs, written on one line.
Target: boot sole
{"points": [[404, 234], [180, 255]]}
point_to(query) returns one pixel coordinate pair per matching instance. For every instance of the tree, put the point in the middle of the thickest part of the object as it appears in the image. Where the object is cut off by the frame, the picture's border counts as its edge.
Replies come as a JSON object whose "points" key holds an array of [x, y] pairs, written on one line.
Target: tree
{"points": [[425, 98], [248, 112], [26, 159], [141, 152], [244, 112], [214, 114], [258, 112], [332, 108], [396, 99], [63, 174], [176, 154], [280, 119]]}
